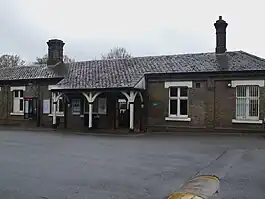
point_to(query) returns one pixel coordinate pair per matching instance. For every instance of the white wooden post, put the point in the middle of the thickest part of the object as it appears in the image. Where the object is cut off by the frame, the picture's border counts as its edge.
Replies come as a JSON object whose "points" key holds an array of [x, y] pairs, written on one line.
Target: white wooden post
{"points": [[54, 103], [131, 116], [131, 97], [90, 99], [90, 109]]}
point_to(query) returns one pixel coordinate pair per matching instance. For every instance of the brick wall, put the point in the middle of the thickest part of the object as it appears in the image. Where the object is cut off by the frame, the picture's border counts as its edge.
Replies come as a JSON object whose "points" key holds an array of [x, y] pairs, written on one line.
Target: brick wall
{"points": [[212, 105]]}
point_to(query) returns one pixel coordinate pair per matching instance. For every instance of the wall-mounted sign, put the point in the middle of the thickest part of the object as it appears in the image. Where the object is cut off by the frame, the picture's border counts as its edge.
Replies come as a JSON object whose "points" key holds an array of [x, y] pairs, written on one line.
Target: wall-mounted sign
{"points": [[155, 104], [46, 106]]}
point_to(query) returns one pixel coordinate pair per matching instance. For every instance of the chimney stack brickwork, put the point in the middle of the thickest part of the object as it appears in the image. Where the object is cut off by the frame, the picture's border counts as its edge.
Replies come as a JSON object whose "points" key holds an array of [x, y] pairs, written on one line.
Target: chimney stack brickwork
{"points": [[220, 26], [55, 51]]}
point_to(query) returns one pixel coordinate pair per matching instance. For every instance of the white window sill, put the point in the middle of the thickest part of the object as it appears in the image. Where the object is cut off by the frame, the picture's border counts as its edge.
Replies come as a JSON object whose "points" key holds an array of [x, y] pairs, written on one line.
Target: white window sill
{"points": [[21, 113], [57, 115], [183, 119], [75, 113], [247, 121]]}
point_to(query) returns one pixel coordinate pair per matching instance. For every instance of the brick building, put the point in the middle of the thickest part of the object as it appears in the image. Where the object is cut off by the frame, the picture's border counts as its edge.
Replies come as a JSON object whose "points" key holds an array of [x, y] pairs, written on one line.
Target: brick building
{"points": [[217, 90]]}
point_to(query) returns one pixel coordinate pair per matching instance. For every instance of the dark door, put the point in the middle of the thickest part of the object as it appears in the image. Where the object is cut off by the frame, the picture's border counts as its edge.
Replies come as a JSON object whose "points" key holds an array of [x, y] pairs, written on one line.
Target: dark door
{"points": [[123, 115], [31, 110]]}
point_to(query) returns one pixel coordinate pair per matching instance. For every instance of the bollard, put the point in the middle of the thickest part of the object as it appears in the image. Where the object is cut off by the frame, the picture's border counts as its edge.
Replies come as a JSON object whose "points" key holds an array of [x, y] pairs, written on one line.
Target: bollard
{"points": [[199, 187]]}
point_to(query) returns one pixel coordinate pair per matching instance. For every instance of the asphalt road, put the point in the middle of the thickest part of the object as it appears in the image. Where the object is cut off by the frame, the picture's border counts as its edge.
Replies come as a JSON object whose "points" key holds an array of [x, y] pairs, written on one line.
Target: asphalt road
{"points": [[55, 166]]}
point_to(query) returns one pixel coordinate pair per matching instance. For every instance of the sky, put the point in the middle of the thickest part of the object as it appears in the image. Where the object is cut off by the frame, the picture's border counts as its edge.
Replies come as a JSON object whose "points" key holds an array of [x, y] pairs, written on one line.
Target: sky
{"points": [[144, 27]]}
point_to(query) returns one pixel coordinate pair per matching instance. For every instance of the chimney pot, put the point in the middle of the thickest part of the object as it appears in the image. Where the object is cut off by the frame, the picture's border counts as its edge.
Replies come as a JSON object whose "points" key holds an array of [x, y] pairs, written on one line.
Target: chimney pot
{"points": [[55, 51], [220, 26]]}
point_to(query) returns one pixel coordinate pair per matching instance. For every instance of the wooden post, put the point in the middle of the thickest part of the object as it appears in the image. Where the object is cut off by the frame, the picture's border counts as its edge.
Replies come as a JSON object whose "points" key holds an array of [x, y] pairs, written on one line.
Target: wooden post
{"points": [[131, 116], [54, 103], [65, 111], [90, 110], [90, 99]]}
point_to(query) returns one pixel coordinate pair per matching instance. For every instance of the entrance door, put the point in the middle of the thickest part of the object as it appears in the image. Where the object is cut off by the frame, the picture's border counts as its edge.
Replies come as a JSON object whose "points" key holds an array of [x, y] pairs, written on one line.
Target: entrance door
{"points": [[123, 113], [31, 110]]}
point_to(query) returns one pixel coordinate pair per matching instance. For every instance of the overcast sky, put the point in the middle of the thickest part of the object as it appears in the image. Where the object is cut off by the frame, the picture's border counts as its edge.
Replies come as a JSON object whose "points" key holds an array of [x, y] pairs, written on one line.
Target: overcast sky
{"points": [[143, 27]]}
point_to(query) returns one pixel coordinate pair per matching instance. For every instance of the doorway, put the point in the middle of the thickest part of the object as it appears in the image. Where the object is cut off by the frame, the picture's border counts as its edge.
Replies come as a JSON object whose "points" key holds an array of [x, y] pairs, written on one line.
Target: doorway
{"points": [[32, 110], [123, 112]]}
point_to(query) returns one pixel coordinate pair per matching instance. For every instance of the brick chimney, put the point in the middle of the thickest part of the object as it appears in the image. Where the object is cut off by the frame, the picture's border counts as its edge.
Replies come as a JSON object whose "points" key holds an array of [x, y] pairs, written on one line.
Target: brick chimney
{"points": [[220, 26], [55, 51]]}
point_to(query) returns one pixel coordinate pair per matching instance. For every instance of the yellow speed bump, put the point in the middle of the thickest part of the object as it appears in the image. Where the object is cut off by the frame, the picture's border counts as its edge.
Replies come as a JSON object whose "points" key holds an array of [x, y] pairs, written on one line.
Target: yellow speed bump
{"points": [[204, 186], [212, 177], [179, 195]]}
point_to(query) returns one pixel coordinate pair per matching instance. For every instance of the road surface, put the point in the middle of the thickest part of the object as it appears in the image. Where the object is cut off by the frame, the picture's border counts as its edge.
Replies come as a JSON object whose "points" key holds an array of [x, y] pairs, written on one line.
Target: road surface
{"points": [[56, 166]]}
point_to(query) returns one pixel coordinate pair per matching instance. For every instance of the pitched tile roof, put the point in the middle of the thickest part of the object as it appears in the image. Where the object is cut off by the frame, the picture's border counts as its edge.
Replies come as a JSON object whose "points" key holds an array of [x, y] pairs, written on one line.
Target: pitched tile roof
{"points": [[32, 72], [119, 73], [127, 72], [102, 74]]}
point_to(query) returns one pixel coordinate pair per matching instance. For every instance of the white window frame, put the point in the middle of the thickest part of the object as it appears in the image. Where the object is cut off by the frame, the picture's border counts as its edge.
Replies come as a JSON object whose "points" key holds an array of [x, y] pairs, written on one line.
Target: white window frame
{"points": [[75, 102], [16, 100], [178, 84], [235, 83], [253, 82], [178, 98], [248, 98]]}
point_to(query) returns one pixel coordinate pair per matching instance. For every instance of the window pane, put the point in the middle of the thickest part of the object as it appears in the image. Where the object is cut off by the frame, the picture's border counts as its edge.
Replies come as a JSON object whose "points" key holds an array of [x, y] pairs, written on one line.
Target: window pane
{"points": [[60, 109], [102, 105], [253, 107], [183, 91], [21, 104], [16, 93], [241, 107], [253, 91], [76, 105], [173, 107], [21, 94], [241, 91], [183, 107], [173, 92], [16, 105]]}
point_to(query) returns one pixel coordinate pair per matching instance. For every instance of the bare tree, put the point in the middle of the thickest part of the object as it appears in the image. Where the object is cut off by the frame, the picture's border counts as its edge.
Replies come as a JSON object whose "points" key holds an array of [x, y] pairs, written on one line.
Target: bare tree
{"points": [[67, 59], [116, 53], [8, 60], [44, 59]]}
